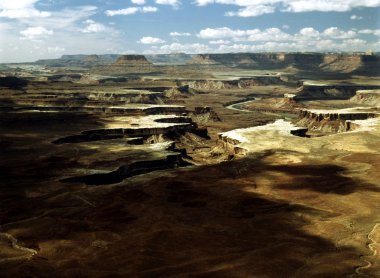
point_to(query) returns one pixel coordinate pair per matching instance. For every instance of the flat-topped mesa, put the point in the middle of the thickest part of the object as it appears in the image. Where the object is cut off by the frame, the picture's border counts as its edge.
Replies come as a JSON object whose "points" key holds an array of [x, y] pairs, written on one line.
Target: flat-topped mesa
{"points": [[169, 59], [132, 60], [242, 60], [367, 97], [309, 90], [241, 83], [150, 129], [92, 58], [240, 141], [128, 64], [203, 59], [324, 122], [342, 63], [334, 115], [87, 61]]}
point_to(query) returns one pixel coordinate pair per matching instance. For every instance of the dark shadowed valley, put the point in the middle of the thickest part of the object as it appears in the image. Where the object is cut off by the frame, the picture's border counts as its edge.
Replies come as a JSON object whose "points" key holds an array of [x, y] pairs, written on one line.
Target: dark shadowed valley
{"points": [[201, 165]]}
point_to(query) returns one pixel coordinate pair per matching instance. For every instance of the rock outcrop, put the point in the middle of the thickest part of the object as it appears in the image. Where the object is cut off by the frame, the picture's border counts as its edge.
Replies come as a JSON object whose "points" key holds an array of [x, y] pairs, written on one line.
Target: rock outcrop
{"points": [[132, 60], [324, 122], [169, 59], [241, 83], [129, 64], [340, 63], [204, 59], [367, 97], [85, 61], [308, 91]]}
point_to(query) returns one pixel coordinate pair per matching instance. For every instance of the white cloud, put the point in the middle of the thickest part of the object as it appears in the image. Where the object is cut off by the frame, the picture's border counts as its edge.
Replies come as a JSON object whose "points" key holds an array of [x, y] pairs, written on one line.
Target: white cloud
{"points": [[222, 32], [16, 5], [55, 50], [173, 3], [365, 31], [149, 9], [274, 34], [355, 17], [327, 6], [336, 33], [21, 9], [252, 11], [250, 8], [219, 42], [178, 34], [138, 2], [375, 32], [150, 40], [63, 19], [36, 33], [94, 27], [127, 11], [187, 48], [309, 32], [131, 10], [47, 36]]}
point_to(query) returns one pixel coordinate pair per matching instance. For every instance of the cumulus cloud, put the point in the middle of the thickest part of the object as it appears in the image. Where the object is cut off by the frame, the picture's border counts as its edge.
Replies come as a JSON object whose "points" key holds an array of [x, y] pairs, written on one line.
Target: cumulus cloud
{"points": [[249, 8], [94, 27], [187, 48], [336, 33], [252, 11], [219, 42], [222, 32], [173, 3], [21, 9], [178, 34], [149, 9], [274, 34], [375, 32], [355, 17], [55, 50], [150, 40], [67, 30], [36, 33], [309, 32], [138, 2], [131, 10], [64, 19]]}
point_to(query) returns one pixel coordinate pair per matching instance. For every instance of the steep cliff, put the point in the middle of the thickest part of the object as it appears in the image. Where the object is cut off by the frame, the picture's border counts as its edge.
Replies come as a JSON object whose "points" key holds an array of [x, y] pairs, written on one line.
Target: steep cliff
{"points": [[324, 122], [333, 63], [330, 91], [128, 64], [367, 97], [241, 83]]}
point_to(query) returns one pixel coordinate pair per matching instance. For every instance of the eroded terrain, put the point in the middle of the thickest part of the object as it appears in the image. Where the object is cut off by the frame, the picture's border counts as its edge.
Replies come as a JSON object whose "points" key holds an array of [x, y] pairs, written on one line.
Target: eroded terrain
{"points": [[208, 166]]}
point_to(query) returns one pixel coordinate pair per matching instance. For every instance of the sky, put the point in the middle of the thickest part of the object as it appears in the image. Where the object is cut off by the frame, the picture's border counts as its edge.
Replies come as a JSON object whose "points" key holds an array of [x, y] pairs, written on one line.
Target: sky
{"points": [[44, 29]]}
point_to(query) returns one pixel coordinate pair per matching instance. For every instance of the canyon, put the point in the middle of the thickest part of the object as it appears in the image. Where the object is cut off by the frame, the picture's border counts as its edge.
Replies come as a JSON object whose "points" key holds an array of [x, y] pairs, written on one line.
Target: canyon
{"points": [[179, 165]]}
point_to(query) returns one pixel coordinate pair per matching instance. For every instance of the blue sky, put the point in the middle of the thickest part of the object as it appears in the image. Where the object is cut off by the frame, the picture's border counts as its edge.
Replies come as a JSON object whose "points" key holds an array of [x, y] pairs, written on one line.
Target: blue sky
{"points": [[36, 29]]}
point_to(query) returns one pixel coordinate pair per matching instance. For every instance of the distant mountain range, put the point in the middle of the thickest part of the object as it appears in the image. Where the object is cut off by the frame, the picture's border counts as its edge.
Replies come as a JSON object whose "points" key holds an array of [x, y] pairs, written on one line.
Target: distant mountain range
{"points": [[359, 63]]}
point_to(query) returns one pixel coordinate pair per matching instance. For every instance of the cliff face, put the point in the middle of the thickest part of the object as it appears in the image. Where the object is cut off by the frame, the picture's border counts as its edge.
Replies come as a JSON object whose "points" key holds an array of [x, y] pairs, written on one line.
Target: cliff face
{"points": [[132, 60], [169, 59], [241, 83], [204, 59], [342, 63], [86, 61], [367, 97], [128, 64], [324, 122], [333, 91]]}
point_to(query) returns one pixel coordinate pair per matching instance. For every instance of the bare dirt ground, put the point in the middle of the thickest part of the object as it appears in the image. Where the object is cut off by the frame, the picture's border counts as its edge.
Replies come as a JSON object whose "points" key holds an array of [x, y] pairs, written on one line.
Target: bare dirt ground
{"points": [[292, 207]]}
